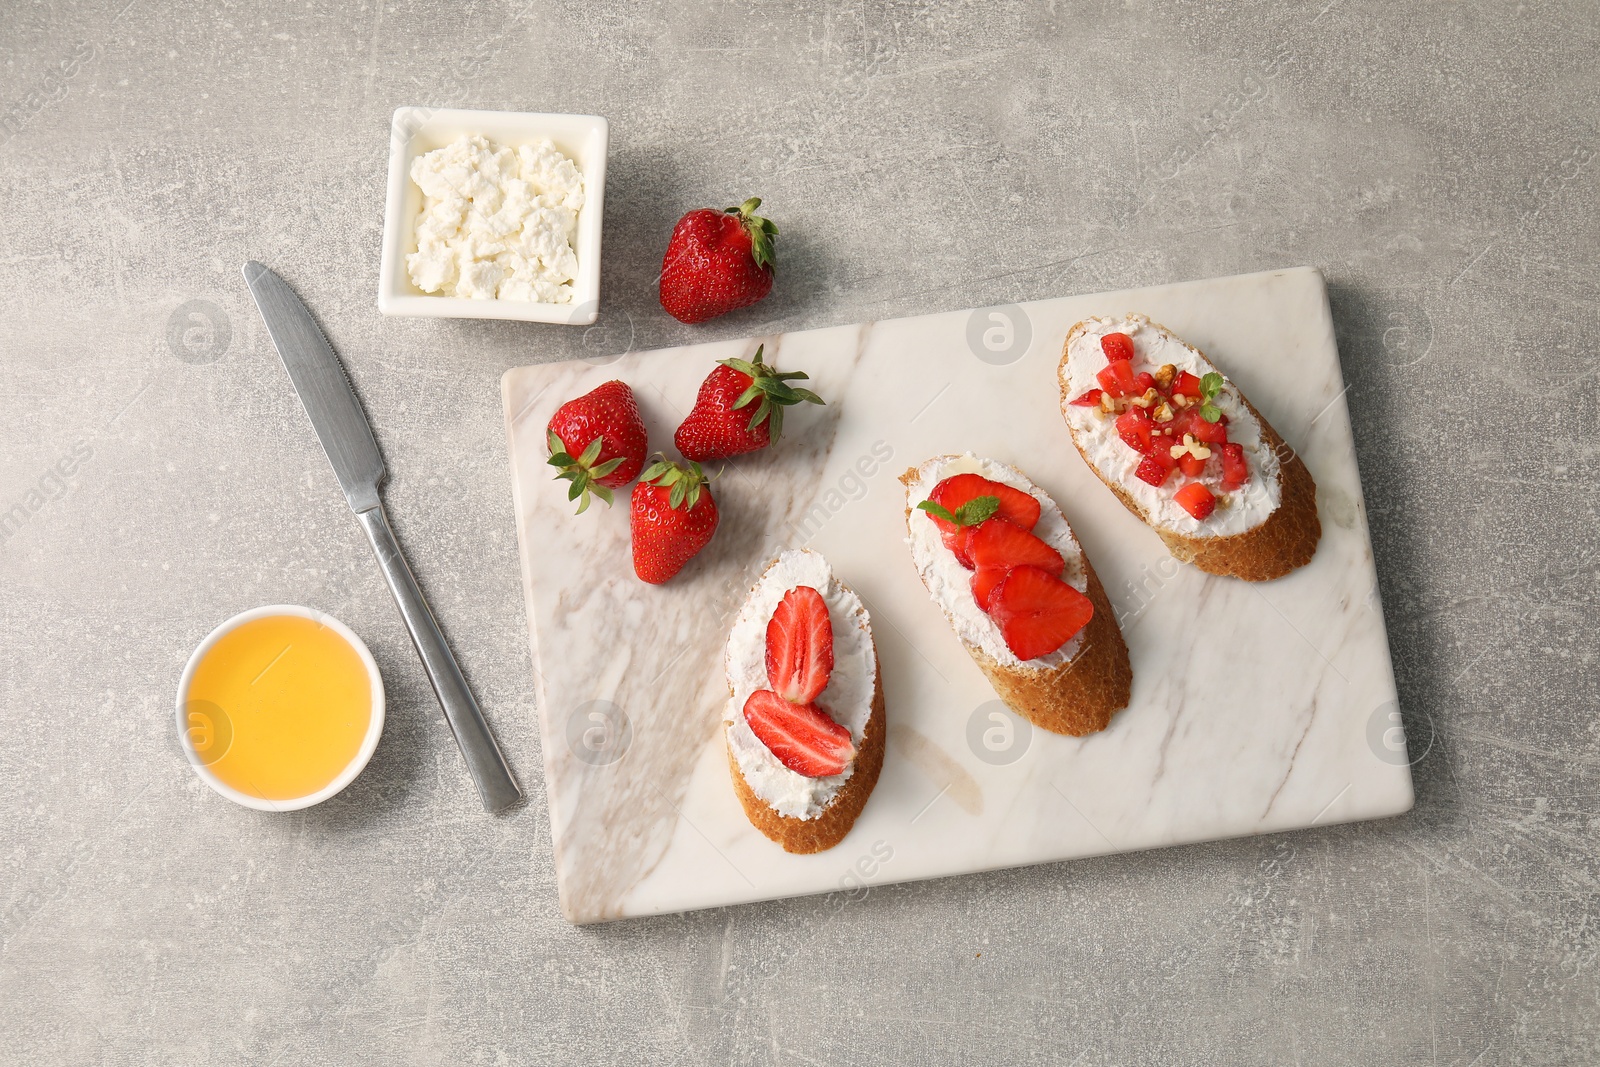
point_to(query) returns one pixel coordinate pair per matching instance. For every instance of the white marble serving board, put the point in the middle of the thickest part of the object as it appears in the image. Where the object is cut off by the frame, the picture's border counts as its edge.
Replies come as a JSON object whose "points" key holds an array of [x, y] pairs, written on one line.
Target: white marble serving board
{"points": [[1256, 707]]}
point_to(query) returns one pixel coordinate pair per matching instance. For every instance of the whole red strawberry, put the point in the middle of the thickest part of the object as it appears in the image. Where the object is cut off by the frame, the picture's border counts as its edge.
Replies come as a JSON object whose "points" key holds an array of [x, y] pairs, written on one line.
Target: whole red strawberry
{"points": [[673, 518], [717, 261], [598, 442], [723, 423]]}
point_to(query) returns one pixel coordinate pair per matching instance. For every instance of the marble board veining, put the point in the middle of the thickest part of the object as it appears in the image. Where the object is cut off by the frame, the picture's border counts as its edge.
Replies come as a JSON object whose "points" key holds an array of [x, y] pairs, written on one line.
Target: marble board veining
{"points": [[1256, 708]]}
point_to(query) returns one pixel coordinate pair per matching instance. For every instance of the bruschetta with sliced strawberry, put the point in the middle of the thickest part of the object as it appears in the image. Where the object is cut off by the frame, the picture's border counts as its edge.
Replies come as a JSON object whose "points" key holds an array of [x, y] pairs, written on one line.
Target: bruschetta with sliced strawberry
{"points": [[997, 556], [1182, 448], [805, 718]]}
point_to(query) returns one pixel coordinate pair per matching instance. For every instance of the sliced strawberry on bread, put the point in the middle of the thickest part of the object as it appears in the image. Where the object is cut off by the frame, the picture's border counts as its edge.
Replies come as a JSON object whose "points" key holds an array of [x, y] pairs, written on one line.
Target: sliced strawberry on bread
{"points": [[1037, 611], [799, 646], [1051, 647], [1182, 448], [801, 736], [804, 723]]}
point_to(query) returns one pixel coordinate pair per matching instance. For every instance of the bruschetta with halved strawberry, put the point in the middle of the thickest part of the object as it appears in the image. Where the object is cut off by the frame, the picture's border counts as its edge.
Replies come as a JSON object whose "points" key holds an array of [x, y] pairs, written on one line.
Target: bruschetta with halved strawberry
{"points": [[1182, 448], [997, 556], [805, 720]]}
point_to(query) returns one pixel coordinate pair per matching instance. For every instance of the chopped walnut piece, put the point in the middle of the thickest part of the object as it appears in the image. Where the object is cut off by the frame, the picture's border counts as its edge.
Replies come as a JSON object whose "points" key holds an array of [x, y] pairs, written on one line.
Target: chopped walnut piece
{"points": [[1191, 447], [1162, 413], [1164, 375]]}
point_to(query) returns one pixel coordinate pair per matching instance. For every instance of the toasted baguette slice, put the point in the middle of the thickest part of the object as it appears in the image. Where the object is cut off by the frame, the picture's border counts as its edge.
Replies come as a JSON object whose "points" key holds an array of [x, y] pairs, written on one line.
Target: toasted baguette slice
{"points": [[1074, 690], [1261, 531], [805, 814]]}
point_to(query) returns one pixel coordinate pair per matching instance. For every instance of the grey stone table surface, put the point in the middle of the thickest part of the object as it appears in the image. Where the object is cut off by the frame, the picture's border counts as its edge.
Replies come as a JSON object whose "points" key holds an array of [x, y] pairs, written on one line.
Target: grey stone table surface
{"points": [[1436, 161]]}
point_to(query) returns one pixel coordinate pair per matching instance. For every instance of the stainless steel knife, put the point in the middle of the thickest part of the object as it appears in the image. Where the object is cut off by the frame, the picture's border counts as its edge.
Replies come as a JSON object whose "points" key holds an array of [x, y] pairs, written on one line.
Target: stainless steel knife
{"points": [[324, 388]]}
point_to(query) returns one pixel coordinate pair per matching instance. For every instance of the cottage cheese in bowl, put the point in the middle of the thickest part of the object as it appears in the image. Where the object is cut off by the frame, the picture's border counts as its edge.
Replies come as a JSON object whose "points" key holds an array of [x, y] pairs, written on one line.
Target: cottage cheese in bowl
{"points": [[496, 222]]}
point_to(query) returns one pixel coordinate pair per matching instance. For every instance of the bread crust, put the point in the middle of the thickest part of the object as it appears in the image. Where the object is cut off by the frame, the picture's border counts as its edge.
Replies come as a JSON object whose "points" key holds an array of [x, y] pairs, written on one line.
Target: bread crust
{"points": [[805, 836], [1080, 696], [1285, 542]]}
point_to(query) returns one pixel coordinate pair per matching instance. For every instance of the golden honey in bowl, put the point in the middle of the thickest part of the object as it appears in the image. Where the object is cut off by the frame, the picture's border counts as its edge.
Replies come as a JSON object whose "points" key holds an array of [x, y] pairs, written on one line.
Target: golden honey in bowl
{"points": [[278, 706]]}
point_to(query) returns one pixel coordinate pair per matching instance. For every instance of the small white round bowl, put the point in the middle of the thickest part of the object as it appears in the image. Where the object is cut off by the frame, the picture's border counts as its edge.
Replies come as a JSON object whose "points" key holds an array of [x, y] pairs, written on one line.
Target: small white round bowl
{"points": [[368, 744]]}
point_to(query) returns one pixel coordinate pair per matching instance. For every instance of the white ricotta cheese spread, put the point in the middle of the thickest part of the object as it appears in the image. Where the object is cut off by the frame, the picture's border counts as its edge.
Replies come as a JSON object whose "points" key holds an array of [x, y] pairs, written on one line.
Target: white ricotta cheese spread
{"points": [[496, 223], [950, 584], [847, 698], [1237, 511]]}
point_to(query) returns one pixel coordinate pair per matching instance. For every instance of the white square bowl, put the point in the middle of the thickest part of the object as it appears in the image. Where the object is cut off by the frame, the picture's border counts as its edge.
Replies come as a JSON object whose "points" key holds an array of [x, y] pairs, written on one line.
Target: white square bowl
{"points": [[416, 130]]}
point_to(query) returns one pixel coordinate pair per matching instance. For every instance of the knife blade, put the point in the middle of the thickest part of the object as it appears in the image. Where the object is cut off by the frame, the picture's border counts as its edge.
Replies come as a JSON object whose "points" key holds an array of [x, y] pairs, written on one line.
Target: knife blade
{"points": [[320, 380], [341, 425]]}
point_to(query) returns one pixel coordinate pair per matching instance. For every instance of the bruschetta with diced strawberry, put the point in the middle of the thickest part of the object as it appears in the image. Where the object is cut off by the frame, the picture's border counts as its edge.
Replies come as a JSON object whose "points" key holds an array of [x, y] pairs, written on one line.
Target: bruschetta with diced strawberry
{"points": [[804, 723], [997, 556], [1182, 448]]}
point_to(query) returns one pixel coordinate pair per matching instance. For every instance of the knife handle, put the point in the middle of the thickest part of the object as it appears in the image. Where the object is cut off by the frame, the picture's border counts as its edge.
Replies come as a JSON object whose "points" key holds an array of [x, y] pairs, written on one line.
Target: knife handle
{"points": [[484, 761]]}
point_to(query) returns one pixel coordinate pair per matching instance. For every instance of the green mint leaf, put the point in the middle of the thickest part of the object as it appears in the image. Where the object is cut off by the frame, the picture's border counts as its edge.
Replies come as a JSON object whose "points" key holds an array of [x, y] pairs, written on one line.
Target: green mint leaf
{"points": [[1210, 412], [1211, 385], [939, 511], [977, 510]]}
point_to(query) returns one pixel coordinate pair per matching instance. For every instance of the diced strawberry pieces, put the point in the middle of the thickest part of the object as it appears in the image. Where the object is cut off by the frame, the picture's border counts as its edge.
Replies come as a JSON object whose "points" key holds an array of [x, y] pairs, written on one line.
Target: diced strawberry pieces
{"points": [[1117, 346], [1196, 499], [1143, 382], [1161, 451], [800, 646], [1186, 384], [1091, 399], [1191, 465], [1235, 471], [1211, 433], [1151, 470], [803, 737], [1116, 378], [984, 582], [1135, 428], [1037, 612], [997, 543]]}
